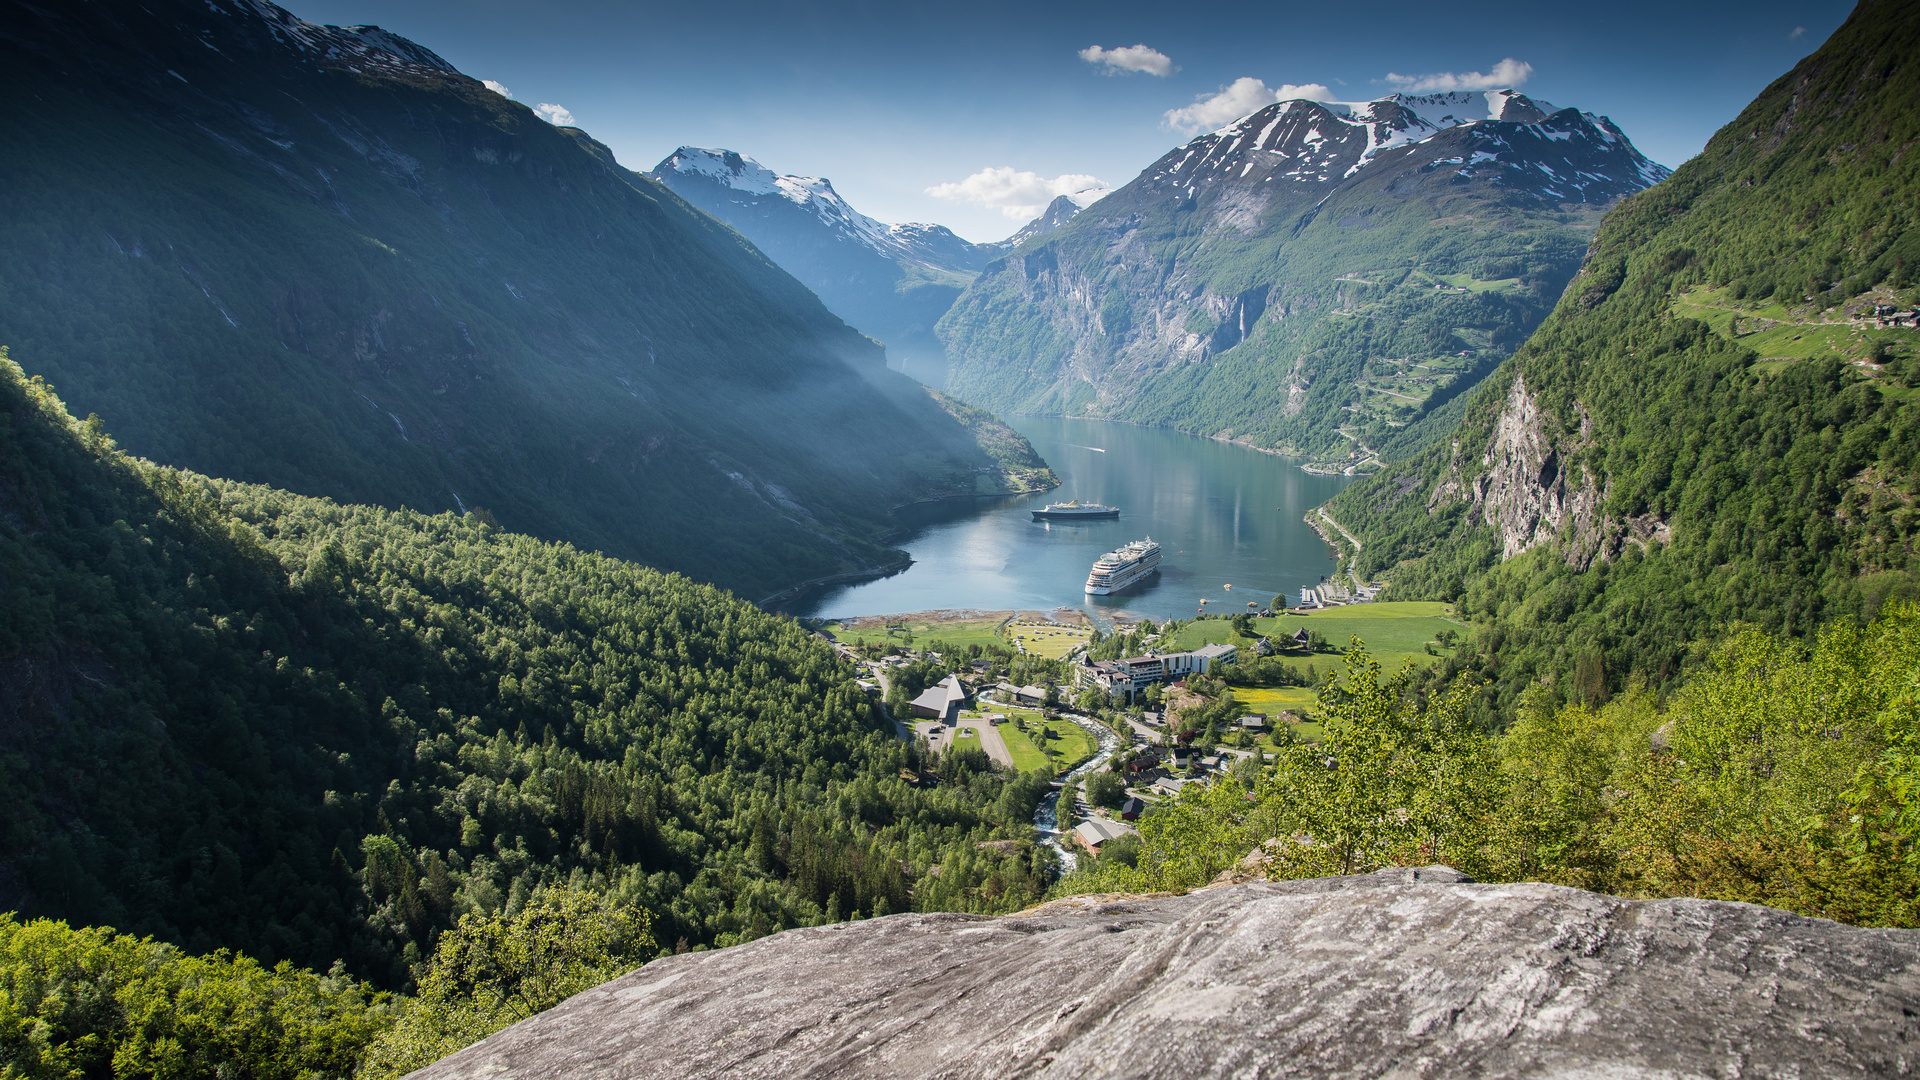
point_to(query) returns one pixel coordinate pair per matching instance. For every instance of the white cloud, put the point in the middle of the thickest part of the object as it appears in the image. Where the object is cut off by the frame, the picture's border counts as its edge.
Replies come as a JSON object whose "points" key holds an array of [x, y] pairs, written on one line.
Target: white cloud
{"points": [[1021, 195], [1130, 58], [1246, 95], [1798, 32], [557, 115], [1506, 74], [498, 88]]}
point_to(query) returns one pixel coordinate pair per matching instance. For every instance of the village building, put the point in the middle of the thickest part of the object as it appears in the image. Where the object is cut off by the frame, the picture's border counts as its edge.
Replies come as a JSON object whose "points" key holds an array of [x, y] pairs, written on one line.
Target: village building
{"points": [[1168, 787], [1096, 831], [1130, 676], [942, 701], [1132, 808], [1020, 695]]}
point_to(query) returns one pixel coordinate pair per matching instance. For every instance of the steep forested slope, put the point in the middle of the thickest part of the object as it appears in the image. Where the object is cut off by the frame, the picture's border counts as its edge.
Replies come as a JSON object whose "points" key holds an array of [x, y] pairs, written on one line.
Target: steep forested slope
{"points": [[1321, 278], [233, 716], [321, 258], [1713, 425]]}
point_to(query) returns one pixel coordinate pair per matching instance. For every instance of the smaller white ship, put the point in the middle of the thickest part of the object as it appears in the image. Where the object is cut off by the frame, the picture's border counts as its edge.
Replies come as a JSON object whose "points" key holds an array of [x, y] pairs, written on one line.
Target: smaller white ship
{"points": [[1076, 511]]}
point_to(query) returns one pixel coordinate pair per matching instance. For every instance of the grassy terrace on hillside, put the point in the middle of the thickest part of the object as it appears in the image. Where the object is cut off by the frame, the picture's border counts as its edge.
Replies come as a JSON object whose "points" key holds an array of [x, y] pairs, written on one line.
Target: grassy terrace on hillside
{"points": [[1777, 332], [1393, 632]]}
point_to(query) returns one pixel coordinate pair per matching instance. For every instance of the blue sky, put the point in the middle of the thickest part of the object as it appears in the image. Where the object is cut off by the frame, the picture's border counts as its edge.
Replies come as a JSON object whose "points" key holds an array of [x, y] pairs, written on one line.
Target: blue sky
{"points": [[890, 100]]}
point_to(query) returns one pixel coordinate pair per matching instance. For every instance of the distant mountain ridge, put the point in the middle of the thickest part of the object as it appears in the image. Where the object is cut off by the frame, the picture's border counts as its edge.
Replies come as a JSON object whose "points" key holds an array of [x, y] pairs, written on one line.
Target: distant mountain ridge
{"points": [[935, 246], [1316, 277], [891, 282], [321, 258], [1058, 212]]}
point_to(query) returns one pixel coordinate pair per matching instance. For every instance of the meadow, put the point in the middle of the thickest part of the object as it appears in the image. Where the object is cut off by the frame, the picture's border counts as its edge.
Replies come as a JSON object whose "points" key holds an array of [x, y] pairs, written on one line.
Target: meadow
{"points": [[1394, 633]]}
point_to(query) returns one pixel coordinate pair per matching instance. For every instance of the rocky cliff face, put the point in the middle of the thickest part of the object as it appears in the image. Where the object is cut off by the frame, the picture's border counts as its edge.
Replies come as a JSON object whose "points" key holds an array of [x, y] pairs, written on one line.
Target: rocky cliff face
{"points": [[1522, 485], [1402, 973]]}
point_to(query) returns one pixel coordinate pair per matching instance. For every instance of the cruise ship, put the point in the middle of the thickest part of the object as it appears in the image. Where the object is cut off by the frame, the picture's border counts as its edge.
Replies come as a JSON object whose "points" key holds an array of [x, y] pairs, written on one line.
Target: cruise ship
{"points": [[1118, 569], [1075, 511]]}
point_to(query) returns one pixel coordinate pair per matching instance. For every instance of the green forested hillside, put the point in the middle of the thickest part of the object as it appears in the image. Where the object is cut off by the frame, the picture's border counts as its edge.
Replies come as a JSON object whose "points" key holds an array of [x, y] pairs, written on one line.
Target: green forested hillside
{"points": [[1709, 428], [290, 254], [238, 717]]}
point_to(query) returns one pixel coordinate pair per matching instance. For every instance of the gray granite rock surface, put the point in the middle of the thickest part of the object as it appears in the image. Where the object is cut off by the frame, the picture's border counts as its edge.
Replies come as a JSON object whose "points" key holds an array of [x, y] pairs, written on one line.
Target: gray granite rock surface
{"points": [[1404, 973]]}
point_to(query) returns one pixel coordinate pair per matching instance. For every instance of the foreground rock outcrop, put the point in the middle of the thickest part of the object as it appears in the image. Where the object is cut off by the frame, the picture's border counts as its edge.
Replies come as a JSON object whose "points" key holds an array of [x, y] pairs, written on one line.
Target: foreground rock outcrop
{"points": [[1397, 974]]}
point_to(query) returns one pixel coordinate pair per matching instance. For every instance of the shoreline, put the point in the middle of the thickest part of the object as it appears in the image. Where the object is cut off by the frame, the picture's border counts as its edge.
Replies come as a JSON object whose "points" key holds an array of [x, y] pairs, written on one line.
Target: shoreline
{"points": [[1306, 463], [973, 495], [792, 592]]}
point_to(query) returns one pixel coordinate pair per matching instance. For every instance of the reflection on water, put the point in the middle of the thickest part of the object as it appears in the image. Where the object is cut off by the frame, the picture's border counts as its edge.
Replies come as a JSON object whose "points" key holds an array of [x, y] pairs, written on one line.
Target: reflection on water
{"points": [[1224, 514]]}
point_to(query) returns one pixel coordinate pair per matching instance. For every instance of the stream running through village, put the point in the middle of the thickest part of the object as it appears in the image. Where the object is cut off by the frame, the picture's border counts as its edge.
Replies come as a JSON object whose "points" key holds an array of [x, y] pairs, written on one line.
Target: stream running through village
{"points": [[1045, 819]]}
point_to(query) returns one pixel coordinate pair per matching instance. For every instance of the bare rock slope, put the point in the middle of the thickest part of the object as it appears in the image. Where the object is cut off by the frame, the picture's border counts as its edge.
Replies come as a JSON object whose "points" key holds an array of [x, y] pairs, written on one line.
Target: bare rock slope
{"points": [[1401, 973]]}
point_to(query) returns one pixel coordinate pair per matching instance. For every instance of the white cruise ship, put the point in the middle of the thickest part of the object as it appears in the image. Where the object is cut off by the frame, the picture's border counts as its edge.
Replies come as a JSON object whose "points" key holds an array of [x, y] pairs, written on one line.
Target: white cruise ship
{"points": [[1118, 569]]}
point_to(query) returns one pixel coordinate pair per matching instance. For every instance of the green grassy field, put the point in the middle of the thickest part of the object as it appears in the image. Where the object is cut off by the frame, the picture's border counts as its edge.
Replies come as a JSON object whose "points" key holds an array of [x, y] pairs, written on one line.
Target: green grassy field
{"points": [[1473, 284], [1392, 632], [1074, 744], [1026, 756], [1051, 642], [1072, 747], [961, 632], [1272, 700]]}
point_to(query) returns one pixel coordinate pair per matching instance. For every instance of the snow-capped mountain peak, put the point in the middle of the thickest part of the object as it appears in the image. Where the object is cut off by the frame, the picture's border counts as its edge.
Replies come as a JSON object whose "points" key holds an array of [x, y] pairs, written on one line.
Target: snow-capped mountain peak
{"points": [[742, 179], [747, 176], [1498, 136]]}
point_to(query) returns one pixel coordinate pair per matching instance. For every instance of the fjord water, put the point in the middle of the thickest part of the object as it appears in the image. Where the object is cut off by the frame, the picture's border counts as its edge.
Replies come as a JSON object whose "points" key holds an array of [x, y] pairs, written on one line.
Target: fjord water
{"points": [[1223, 514]]}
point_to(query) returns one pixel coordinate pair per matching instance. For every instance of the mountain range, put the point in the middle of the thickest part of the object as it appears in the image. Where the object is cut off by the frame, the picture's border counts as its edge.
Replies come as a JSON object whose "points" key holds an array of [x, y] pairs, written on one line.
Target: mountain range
{"points": [[321, 258], [1317, 277]]}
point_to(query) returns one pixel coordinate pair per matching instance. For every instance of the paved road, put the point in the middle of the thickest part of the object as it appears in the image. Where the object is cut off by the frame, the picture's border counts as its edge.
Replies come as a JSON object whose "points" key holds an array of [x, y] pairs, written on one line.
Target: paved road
{"points": [[989, 738], [900, 727], [990, 741]]}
